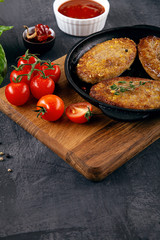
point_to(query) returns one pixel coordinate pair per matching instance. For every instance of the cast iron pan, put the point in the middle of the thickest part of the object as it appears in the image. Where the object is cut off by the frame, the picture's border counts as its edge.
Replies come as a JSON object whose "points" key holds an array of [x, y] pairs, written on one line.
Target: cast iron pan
{"points": [[135, 33]]}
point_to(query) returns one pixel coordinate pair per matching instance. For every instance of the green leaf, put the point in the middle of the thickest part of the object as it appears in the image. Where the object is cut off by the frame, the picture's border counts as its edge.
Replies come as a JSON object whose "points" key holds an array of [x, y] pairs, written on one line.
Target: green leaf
{"points": [[1, 79], [114, 87], [4, 28], [122, 82], [3, 60], [3, 64], [131, 85], [123, 89], [1, 0]]}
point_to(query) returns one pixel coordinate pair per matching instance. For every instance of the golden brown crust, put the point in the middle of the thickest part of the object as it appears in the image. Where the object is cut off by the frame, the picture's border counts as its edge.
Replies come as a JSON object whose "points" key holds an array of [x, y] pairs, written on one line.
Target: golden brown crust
{"points": [[106, 60], [149, 55], [128, 92]]}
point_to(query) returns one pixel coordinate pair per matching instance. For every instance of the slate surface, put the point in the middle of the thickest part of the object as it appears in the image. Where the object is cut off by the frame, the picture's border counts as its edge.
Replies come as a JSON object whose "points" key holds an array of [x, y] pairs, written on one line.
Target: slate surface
{"points": [[44, 198]]}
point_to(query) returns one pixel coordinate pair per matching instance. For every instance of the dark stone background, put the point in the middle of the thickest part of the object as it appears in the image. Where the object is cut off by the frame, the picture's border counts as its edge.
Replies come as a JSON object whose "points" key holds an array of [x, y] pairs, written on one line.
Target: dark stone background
{"points": [[44, 198]]}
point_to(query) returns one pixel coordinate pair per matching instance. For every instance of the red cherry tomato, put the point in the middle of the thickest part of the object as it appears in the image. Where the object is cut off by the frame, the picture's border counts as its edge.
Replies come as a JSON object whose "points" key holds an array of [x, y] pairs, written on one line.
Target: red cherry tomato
{"points": [[79, 112], [52, 70], [50, 107], [41, 86], [28, 58], [16, 76], [17, 93]]}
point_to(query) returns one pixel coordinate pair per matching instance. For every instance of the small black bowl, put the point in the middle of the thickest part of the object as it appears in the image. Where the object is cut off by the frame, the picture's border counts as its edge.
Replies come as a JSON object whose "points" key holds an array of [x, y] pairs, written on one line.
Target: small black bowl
{"points": [[36, 47]]}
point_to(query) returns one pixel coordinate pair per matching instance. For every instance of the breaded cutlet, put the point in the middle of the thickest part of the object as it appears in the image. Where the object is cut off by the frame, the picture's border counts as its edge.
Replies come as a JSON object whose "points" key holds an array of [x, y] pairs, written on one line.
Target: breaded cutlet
{"points": [[128, 92], [149, 55], [106, 60]]}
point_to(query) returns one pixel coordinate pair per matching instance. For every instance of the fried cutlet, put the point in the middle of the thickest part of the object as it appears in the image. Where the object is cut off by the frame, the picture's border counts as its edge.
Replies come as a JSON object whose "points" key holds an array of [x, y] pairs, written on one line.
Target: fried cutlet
{"points": [[106, 60], [149, 55], [128, 92]]}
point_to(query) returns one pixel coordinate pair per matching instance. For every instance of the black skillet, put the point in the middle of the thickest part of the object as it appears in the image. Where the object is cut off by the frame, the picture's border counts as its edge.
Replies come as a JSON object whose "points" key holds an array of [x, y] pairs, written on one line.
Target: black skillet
{"points": [[135, 33]]}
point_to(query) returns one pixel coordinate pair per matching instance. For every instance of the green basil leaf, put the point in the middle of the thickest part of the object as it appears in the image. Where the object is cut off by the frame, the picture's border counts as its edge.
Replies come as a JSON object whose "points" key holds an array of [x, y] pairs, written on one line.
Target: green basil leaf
{"points": [[4, 28]]}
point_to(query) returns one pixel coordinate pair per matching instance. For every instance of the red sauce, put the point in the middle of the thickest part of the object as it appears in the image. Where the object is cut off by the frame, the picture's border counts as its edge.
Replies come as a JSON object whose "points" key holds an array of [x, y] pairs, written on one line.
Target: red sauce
{"points": [[81, 9]]}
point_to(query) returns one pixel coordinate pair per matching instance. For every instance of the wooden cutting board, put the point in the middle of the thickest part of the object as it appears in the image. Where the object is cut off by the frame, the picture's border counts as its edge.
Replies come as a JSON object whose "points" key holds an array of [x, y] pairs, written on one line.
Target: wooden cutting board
{"points": [[94, 149]]}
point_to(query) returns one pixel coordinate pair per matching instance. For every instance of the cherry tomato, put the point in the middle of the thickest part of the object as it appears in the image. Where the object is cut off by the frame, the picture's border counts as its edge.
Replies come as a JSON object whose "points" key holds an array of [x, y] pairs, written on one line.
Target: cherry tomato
{"points": [[17, 93], [52, 70], [41, 85], [79, 112], [16, 76], [50, 107], [25, 60], [28, 58]]}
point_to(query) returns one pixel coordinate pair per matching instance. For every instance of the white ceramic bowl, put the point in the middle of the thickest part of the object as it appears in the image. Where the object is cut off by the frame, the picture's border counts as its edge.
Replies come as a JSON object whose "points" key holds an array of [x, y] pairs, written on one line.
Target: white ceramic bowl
{"points": [[81, 27]]}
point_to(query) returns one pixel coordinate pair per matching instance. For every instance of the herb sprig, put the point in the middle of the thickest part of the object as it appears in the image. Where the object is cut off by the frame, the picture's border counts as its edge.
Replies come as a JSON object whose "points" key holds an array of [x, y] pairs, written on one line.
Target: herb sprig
{"points": [[117, 89]]}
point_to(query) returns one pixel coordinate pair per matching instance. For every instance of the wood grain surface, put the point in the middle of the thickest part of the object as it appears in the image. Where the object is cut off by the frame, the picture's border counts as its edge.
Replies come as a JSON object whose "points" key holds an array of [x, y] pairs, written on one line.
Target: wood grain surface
{"points": [[94, 149]]}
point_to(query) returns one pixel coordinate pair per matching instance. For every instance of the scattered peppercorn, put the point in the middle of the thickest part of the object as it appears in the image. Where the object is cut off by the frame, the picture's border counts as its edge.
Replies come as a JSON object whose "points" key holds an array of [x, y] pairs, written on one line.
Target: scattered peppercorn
{"points": [[9, 170], [1, 158], [1, 153]]}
